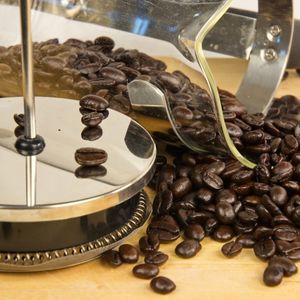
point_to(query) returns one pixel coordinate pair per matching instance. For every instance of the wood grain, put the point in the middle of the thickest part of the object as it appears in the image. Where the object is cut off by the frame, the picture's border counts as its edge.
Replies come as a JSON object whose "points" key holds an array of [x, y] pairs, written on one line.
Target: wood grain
{"points": [[207, 276]]}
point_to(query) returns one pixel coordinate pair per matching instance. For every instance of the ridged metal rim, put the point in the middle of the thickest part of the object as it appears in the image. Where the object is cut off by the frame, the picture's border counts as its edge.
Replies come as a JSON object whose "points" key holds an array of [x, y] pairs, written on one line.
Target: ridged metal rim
{"points": [[62, 258]]}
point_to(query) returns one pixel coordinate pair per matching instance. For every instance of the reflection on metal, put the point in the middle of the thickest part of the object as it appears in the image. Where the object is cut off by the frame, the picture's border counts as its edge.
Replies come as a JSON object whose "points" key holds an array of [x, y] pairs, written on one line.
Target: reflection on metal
{"points": [[30, 180], [60, 194]]}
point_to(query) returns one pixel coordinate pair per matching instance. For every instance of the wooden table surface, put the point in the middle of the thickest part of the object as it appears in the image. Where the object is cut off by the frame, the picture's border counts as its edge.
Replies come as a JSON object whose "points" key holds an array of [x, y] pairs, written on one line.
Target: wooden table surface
{"points": [[207, 276]]}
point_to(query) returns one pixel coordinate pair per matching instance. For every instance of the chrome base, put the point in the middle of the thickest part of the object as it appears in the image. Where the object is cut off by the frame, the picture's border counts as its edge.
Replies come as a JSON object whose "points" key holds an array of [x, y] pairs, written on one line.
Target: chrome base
{"points": [[136, 211]]}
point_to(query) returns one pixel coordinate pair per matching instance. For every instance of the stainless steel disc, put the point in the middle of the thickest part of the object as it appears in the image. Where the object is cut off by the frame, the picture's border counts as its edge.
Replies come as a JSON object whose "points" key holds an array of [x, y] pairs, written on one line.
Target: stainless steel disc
{"points": [[59, 193]]}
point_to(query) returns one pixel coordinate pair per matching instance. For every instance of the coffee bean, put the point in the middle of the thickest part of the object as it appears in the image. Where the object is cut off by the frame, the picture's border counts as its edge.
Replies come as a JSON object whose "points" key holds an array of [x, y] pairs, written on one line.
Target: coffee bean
{"points": [[288, 266], [278, 195], [171, 82], [204, 195], [106, 43], [282, 172], [242, 176], [162, 285], [195, 232], [254, 137], [90, 171], [216, 167], [90, 156], [181, 187], [231, 249], [19, 119], [234, 130], [246, 240], [93, 103], [157, 258], [92, 119], [285, 233], [273, 275], [224, 212], [223, 233], [149, 243], [128, 253], [145, 271], [264, 249], [91, 133], [213, 181], [188, 248], [112, 258], [262, 233], [227, 195], [112, 73]]}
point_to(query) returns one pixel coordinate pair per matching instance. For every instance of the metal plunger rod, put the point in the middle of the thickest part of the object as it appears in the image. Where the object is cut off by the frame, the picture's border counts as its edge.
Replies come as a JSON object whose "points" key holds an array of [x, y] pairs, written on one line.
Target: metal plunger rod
{"points": [[27, 69]]}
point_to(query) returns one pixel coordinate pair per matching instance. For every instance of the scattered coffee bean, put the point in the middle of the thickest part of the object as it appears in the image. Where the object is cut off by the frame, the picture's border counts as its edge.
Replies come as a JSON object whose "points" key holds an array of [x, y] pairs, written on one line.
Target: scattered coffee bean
{"points": [[90, 156], [145, 271], [188, 248], [231, 249], [162, 285], [273, 275], [128, 253], [112, 258], [156, 258]]}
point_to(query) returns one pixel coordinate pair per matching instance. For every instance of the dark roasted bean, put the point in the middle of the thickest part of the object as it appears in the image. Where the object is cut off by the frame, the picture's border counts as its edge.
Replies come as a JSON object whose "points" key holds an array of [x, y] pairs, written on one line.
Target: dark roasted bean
{"points": [[285, 233], [204, 195], [223, 233], [90, 171], [273, 275], [264, 249], [262, 233], [181, 187], [242, 176], [246, 240], [90, 156], [94, 103], [19, 119], [112, 258], [213, 181], [288, 266], [187, 248], [157, 258], [162, 285], [145, 271], [149, 243], [195, 232], [92, 119], [254, 137], [278, 195], [225, 212], [128, 253], [91, 133], [231, 249]]}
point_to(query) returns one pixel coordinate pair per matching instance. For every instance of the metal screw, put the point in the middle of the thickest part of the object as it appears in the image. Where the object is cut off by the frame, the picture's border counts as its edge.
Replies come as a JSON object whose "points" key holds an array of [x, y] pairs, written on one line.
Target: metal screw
{"points": [[274, 30], [270, 54]]}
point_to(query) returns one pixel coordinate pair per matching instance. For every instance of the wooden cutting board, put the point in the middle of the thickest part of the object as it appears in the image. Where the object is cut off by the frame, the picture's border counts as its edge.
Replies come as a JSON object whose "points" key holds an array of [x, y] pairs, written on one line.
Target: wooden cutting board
{"points": [[207, 276]]}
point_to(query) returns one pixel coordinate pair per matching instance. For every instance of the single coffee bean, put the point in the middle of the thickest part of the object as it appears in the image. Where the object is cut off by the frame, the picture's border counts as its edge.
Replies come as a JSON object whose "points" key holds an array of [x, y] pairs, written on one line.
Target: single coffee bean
{"points": [[171, 82], [188, 248], [92, 119], [204, 195], [264, 249], [242, 176], [19, 119], [149, 243], [93, 103], [195, 232], [90, 171], [128, 253], [247, 240], [288, 266], [90, 156], [181, 187], [225, 212], [114, 74], [231, 249], [285, 233], [213, 181], [106, 43], [227, 195], [157, 258], [112, 258], [254, 137], [234, 130], [145, 271], [223, 233], [262, 233], [278, 195], [91, 133], [162, 285], [273, 275], [216, 167]]}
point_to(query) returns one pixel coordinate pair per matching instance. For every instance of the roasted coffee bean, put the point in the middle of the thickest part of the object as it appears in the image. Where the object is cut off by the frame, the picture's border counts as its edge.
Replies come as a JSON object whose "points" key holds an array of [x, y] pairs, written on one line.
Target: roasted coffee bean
{"points": [[195, 232], [162, 285], [260, 188], [258, 149], [128, 253], [112, 258], [282, 172], [273, 275], [272, 208], [264, 249], [252, 200], [213, 181], [253, 121], [106, 43], [216, 167], [94, 103], [210, 225], [204, 195], [231, 249], [246, 240], [19, 119], [167, 174], [248, 217], [262, 173], [90, 171], [284, 125], [90, 156], [278, 195], [187, 248], [242, 176], [157, 258], [145, 271], [92, 119], [91, 133], [113, 73], [227, 195], [19, 130], [254, 137], [288, 266], [223, 233], [285, 233], [225, 212], [234, 130], [171, 82], [149, 243], [262, 233], [181, 187], [182, 114]]}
